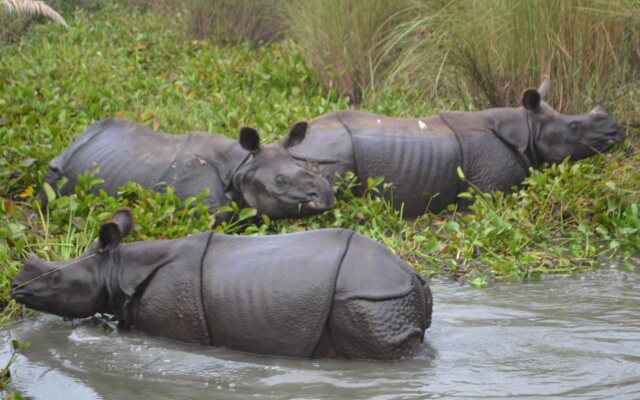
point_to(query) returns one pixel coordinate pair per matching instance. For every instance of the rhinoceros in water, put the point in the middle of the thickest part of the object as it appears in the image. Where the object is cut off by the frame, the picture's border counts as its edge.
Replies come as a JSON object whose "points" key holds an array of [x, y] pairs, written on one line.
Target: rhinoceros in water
{"points": [[263, 177], [320, 293], [495, 148]]}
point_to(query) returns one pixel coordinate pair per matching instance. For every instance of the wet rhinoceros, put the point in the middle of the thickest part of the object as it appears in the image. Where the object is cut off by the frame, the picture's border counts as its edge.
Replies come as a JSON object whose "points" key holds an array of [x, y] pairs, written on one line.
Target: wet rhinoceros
{"points": [[263, 177], [495, 148], [322, 293]]}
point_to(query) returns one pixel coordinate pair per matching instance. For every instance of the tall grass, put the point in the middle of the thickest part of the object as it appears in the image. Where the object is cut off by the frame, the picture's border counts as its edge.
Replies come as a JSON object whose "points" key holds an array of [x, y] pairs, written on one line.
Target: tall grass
{"points": [[235, 20], [342, 40], [493, 49]]}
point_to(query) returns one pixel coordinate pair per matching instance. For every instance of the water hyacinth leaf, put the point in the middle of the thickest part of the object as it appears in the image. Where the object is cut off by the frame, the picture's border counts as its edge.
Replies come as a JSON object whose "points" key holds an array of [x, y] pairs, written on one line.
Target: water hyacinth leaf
{"points": [[432, 245], [49, 192], [479, 282], [247, 213], [451, 226], [27, 162]]}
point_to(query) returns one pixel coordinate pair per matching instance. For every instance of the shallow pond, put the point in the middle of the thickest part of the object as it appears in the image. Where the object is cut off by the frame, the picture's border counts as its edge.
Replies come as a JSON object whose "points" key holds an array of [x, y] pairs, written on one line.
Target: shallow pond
{"points": [[576, 337]]}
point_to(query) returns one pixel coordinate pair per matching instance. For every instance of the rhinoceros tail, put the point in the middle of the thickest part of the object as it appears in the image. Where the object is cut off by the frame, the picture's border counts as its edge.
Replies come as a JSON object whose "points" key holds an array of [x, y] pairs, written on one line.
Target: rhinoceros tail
{"points": [[58, 164], [428, 304]]}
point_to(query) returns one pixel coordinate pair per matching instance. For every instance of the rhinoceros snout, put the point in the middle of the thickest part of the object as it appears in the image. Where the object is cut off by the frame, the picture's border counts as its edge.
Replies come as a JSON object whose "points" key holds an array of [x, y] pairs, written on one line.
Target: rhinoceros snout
{"points": [[320, 206], [321, 202], [615, 135]]}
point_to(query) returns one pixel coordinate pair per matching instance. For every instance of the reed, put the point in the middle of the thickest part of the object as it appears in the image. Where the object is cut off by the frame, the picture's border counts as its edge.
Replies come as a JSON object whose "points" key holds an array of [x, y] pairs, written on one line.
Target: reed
{"points": [[259, 21], [488, 51], [342, 41]]}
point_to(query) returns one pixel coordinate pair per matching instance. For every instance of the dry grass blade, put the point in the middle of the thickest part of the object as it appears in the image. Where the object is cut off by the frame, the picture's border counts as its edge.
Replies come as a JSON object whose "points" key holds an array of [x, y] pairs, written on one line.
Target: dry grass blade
{"points": [[34, 7]]}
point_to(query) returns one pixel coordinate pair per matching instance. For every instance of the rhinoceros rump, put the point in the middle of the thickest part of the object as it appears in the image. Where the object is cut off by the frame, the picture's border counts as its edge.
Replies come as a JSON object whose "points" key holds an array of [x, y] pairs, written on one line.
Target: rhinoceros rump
{"points": [[320, 293], [262, 177], [495, 148]]}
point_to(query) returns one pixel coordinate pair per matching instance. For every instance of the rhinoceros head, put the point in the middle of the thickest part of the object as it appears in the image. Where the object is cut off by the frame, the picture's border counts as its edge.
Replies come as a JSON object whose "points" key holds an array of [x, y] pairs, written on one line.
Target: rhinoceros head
{"points": [[74, 288], [278, 185], [557, 136]]}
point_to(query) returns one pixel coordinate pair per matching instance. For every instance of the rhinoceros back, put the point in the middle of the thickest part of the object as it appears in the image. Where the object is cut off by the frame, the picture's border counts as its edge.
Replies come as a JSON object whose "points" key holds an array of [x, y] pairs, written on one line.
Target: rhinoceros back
{"points": [[271, 295], [417, 156], [117, 151], [120, 151], [381, 306]]}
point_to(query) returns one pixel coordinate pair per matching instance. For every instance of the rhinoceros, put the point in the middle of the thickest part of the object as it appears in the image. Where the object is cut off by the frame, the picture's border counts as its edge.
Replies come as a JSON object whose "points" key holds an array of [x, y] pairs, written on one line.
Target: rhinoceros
{"points": [[494, 148], [322, 293], [263, 177]]}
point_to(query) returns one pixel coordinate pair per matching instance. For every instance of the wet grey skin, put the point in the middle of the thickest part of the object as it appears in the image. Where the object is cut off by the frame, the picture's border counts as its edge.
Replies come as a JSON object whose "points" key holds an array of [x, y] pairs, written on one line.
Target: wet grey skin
{"points": [[264, 177], [322, 293], [495, 148]]}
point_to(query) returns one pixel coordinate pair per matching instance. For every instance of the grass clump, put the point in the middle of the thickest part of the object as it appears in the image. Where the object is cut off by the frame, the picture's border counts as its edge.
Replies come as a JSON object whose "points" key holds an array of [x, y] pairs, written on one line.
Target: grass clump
{"points": [[258, 21], [489, 51], [340, 41]]}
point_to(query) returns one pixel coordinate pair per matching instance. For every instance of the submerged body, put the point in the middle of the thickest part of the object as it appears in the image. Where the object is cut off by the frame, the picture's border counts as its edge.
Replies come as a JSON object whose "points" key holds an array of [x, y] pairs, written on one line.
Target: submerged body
{"points": [[274, 295], [494, 148], [120, 151]]}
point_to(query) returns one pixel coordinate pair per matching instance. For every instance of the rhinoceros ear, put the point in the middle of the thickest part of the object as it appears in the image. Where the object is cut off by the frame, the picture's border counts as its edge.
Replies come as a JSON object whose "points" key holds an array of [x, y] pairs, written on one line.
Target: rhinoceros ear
{"points": [[112, 232], [249, 139], [124, 219], [296, 134], [531, 100], [109, 236]]}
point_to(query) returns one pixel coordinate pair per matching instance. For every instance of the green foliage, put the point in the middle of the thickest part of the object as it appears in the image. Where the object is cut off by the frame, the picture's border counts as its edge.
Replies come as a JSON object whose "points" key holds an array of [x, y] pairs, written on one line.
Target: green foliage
{"points": [[5, 376]]}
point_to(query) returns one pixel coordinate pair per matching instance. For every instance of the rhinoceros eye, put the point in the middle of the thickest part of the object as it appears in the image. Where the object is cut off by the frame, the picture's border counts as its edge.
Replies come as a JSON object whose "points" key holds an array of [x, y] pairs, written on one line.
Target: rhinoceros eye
{"points": [[574, 128], [55, 280], [282, 180]]}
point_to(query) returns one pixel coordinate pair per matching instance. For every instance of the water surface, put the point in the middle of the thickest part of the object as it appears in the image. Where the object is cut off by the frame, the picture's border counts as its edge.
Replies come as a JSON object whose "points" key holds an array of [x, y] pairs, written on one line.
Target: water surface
{"points": [[572, 337]]}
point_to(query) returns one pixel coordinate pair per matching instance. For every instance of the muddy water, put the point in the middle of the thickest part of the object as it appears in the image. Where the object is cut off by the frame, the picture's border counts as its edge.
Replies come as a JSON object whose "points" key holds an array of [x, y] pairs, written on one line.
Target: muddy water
{"points": [[576, 337]]}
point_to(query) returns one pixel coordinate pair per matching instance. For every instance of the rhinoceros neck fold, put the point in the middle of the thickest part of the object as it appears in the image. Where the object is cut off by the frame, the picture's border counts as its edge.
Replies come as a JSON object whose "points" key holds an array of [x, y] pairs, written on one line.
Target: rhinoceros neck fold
{"points": [[496, 146], [534, 129], [233, 180], [134, 266]]}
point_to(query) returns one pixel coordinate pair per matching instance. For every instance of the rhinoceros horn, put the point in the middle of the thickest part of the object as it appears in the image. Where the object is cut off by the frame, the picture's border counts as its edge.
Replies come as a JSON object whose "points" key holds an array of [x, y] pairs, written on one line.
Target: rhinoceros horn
{"points": [[115, 229], [544, 87], [599, 109]]}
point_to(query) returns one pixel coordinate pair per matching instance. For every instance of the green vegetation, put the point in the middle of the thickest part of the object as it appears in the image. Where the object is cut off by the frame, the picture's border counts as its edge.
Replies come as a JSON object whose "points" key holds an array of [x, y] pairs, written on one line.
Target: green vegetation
{"points": [[341, 40], [143, 66], [5, 374]]}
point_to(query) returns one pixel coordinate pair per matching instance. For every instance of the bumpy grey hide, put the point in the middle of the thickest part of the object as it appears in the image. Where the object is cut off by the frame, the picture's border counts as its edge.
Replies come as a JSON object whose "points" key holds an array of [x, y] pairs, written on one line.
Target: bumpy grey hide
{"points": [[263, 177], [494, 148], [321, 293]]}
